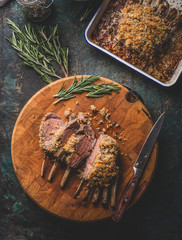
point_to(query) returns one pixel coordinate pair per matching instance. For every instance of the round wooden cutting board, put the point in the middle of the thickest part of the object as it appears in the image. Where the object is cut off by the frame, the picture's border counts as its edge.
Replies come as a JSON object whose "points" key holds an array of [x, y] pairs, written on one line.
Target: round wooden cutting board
{"points": [[135, 124]]}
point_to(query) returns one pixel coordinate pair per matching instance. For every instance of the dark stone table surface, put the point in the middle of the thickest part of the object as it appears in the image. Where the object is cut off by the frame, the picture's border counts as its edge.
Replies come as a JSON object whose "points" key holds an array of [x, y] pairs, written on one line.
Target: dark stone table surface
{"points": [[158, 214]]}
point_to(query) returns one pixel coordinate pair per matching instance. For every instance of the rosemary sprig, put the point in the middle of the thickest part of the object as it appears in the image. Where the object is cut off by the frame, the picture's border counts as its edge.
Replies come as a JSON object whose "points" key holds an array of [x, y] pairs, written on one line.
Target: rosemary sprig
{"points": [[33, 58], [86, 84], [38, 49], [105, 88], [52, 46], [91, 6], [110, 86]]}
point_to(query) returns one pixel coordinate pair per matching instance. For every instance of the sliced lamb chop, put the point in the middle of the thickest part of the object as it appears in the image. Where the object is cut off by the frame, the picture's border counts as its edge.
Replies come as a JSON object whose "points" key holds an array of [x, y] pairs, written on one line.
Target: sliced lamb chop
{"points": [[61, 137], [101, 169], [50, 123], [58, 143], [54, 133], [105, 196], [84, 143]]}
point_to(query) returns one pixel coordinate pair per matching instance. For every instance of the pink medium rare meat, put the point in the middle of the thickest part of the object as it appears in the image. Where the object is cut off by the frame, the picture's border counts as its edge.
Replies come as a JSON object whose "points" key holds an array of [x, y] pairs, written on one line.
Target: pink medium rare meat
{"points": [[85, 141], [50, 123]]}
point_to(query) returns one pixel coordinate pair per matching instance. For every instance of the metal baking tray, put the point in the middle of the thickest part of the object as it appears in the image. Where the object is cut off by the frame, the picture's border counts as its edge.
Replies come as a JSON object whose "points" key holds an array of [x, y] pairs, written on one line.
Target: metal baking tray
{"points": [[91, 27]]}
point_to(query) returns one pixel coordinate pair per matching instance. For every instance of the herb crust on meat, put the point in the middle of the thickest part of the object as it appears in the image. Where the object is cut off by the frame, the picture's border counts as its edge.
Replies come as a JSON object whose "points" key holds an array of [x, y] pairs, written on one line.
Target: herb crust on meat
{"points": [[141, 29], [102, 167], [158, 56]]}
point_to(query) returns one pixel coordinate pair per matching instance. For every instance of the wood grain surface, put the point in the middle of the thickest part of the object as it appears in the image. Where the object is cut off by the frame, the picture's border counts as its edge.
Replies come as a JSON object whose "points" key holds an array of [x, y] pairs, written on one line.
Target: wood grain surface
{"points": [[135, 124]]}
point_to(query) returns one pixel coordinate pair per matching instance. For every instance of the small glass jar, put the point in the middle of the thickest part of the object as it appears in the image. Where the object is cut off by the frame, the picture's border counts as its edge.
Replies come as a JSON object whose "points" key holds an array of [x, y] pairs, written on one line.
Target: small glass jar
{"points": [[36, 10]]}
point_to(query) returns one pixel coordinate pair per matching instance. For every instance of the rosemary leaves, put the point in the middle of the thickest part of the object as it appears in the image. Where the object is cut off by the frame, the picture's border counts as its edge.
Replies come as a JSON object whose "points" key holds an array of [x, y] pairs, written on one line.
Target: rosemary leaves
{"points": [[38, 48], [86, 84], [90, 7], [103, 88]]}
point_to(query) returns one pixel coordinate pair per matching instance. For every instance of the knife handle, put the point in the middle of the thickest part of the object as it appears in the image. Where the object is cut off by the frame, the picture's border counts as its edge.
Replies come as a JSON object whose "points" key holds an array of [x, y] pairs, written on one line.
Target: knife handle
{"points": [[125, 198]]}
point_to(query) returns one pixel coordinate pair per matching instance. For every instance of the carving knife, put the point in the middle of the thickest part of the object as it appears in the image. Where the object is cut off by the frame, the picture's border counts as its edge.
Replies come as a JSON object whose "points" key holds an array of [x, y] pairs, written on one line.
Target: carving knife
{"points": [[138, 169]]}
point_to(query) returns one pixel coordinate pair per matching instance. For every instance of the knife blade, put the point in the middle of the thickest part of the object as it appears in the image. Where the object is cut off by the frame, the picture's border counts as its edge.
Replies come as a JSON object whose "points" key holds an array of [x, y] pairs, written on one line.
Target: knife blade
{"points": [[138, 169]]}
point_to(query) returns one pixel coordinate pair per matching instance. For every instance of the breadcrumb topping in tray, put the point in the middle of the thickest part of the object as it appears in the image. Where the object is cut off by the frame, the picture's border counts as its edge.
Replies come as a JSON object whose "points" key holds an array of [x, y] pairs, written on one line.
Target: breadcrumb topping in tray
{"points": [[141, 30], [139, 39]]}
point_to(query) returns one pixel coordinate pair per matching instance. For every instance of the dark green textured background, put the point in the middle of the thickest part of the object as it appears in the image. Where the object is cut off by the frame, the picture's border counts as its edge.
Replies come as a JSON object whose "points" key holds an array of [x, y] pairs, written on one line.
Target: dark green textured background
{"points": [[158, 214]]}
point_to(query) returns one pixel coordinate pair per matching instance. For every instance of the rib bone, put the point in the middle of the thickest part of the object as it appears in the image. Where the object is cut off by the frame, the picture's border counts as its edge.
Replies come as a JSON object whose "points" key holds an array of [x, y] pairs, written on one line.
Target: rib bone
{"points": [[65, 177], [105, 196], [113, 192], [171, 15], [176, 21], [43, 168], [53, 169], [163, 8], [87, 194], [149, 2], [79, 189], [158, 2], [141, 2], [96, 196]]}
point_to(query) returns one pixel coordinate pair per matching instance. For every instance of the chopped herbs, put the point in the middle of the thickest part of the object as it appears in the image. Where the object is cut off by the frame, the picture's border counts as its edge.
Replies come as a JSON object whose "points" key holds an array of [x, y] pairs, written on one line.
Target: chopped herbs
{"points": [[39, 47], [86, 84]]}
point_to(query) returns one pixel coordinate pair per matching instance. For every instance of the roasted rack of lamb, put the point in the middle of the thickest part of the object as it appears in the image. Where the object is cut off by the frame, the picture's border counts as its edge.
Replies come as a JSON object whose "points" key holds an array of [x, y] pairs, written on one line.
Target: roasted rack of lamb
{"points": [[69, 142], [144, 33], [101, 171], [145, 26]]}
